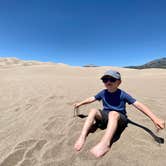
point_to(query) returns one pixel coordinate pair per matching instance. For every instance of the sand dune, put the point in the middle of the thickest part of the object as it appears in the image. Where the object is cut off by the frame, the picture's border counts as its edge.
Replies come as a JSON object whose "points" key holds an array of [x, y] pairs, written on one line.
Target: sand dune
{"points": [[37, 127], [13, 62]]}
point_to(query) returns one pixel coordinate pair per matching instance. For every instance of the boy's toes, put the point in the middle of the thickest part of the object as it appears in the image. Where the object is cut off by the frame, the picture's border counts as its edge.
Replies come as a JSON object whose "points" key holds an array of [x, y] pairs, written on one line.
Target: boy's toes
{"points": [[79, 144], [99, 150]]}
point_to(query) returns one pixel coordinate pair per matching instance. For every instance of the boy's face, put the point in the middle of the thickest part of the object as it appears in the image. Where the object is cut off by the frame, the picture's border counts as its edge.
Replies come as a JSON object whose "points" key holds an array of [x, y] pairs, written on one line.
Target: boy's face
{"points": [[111, 83]]}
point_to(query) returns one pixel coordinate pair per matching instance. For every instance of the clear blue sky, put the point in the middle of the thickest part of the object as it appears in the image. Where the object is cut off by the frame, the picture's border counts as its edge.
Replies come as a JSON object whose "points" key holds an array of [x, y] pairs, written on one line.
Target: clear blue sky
{"points": [[79, 32]]}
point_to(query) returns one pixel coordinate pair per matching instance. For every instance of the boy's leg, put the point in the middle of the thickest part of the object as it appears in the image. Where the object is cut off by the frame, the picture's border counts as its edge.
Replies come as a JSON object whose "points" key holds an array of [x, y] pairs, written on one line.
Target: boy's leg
{"points": [[103, 146], [93, 114]]}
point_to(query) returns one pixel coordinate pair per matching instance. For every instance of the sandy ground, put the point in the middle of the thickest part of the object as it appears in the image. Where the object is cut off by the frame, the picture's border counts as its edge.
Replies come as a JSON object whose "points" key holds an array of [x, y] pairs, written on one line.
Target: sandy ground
{"points": [[37, 127]]}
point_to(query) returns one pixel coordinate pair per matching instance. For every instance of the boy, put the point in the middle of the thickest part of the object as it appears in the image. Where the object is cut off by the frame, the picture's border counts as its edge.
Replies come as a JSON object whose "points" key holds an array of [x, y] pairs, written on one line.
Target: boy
{"points": [[113, 113]]}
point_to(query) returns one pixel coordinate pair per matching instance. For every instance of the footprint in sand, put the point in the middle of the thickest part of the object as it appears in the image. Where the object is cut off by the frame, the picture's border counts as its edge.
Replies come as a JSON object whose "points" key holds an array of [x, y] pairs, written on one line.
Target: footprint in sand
{"points": [[34, 151], [13, 158], [26, 144], [31, 103], [25, 153], [53, 98], [53, 123], [54, 150], [17, 109]]}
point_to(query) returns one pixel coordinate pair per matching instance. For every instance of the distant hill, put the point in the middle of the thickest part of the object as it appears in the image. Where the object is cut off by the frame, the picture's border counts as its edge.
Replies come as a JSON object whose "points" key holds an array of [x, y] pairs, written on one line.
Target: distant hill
{"points": [[90, 65], [158, 63]]}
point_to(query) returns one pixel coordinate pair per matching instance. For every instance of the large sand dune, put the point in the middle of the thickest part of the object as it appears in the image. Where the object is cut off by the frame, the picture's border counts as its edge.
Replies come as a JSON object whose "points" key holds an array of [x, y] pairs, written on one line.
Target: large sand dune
{"points": [[37, 127]]}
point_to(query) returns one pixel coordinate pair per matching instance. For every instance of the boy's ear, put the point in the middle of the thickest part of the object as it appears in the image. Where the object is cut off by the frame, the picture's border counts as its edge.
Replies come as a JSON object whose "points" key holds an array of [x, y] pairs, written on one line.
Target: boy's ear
{"points": [[119, 81]]}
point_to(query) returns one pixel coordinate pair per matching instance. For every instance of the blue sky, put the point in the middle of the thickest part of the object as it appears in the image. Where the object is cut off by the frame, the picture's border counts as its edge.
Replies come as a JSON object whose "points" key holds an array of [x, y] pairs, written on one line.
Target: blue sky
{"points": [[80, 32]]}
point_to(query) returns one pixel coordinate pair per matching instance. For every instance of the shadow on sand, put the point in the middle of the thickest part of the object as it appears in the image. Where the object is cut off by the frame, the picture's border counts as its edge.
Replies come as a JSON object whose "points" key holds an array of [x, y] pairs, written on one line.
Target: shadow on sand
{"points": [[121, 129], [155, 137]]}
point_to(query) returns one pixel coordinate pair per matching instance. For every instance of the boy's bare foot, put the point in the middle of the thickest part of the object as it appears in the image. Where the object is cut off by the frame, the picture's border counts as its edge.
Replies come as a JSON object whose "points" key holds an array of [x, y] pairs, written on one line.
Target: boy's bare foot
{"points": [[79, 143], [99, 150]]}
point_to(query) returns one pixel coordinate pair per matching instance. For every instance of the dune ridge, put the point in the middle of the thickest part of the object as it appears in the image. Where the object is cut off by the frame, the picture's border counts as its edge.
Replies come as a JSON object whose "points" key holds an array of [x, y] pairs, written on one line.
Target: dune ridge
{"points": [[14, 62]]}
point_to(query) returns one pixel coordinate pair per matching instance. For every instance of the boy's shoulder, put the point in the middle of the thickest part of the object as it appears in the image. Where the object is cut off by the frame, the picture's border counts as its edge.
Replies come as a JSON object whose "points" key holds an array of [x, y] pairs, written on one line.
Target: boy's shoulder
{"points": [[102, 91]]}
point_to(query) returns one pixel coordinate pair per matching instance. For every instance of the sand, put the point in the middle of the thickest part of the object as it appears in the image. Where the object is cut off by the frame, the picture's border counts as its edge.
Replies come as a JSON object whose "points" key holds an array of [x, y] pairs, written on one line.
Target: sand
{"points": [[37, 127]]}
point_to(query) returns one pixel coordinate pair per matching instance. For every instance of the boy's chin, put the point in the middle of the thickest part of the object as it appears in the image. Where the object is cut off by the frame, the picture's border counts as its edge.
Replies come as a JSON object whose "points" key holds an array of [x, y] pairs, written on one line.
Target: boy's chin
{"points": [[109, 86]]}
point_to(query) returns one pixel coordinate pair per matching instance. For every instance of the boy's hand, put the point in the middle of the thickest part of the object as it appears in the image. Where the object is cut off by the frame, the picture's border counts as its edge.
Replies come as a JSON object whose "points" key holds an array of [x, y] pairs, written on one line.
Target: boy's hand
{"points": [[159, 123], [76, 105]]}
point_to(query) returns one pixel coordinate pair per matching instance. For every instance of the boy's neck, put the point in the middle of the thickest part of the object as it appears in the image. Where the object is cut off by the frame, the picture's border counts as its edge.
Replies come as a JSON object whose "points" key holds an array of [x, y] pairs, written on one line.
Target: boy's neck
{"points": [[112, 90]]}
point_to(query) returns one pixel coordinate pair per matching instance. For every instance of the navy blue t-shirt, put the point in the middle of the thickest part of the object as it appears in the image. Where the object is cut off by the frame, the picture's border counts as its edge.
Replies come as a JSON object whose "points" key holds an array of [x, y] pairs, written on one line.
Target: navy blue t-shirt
{"points": [[115, 100]]}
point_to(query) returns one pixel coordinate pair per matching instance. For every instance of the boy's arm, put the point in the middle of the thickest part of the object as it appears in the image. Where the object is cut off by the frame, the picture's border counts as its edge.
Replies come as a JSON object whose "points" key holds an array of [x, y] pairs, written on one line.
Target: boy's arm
{"points": [[86, 101], [159, 123]]}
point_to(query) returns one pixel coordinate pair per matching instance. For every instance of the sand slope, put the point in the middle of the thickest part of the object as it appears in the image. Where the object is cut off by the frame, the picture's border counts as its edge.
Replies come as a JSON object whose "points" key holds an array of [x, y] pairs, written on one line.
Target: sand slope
{"points": [[37, 127]]}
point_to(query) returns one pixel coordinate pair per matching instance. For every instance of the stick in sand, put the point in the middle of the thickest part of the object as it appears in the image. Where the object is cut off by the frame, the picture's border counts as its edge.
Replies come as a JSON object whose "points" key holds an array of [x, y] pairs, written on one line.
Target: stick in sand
{"points": [[76, 112]]}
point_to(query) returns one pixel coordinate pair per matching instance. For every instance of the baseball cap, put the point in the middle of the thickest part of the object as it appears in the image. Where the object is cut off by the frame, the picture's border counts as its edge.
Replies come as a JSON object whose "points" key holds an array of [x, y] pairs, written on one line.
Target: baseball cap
{"points": [[112, 73]]}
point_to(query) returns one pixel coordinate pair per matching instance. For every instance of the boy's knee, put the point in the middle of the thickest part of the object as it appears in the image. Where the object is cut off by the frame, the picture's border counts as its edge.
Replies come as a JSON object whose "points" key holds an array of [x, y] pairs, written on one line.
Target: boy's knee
{"points": [[114, 115], [93, 112]]}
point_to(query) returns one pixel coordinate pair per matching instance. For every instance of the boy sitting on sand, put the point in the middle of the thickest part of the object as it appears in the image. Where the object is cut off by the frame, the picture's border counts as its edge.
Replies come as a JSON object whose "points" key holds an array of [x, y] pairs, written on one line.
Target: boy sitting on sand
{"points": [[113, 114]]}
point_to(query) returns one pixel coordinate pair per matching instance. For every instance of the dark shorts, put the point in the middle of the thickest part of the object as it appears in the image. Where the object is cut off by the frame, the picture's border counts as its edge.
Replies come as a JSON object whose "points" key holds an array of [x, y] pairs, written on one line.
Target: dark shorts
{"points": [[122, 123]]}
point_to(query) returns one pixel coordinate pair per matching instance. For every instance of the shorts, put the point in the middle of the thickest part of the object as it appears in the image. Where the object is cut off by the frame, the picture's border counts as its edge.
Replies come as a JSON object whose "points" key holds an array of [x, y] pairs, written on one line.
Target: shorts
{"points": [[122, 123]]}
